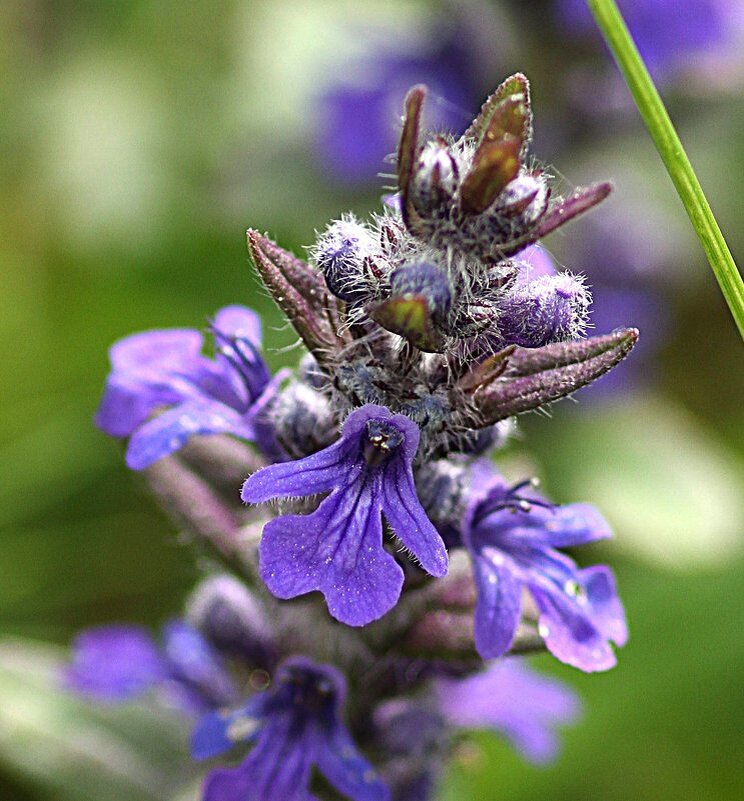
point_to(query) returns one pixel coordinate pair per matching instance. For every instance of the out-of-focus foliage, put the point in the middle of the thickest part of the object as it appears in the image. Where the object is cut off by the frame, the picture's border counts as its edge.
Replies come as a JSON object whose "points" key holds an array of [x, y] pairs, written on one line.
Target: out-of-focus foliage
{"points": [[139, 141]]}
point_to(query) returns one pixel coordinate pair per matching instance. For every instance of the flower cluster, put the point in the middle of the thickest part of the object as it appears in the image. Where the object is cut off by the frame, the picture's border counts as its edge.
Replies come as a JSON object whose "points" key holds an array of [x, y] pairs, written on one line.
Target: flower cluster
{"points": [[428, 329]]}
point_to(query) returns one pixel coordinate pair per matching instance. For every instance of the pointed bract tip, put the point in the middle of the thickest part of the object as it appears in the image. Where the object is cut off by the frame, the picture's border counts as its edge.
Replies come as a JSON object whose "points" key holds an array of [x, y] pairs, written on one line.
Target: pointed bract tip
{"points": [[534, 377]]}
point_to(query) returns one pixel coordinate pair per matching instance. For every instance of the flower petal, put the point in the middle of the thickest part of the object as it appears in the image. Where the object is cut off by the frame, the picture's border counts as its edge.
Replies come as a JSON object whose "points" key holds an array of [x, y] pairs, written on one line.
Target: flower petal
{"points": [[338, 550], [194, 661], [128, 400], [170, 431], [238, 321], [607, 611], [114, 663], [569, 630], [218, 732], [515, 700], [346, 769], [314, 474], [154, 369], [173, 347], [407, 518], [278, 768], [499, 603], [574, 524]]}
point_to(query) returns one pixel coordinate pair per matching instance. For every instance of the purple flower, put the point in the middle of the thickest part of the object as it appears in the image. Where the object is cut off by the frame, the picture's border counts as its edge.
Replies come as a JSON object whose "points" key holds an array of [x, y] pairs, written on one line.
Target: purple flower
{"points": [[512, 541], [338, 548], [514, 700], [293, 727], [360, 118], [668, 32], [158, 369], [120, 662], [412, 741]]}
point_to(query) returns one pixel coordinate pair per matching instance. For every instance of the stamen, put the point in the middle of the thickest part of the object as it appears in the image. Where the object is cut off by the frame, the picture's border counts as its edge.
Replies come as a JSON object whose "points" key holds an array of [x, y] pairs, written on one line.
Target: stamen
{"points": [[232, 348], [512, 501]]}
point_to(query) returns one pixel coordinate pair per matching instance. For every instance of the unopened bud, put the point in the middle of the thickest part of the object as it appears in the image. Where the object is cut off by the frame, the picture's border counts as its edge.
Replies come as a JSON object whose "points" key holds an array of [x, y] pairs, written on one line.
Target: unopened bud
{"points": [[525, 197], [310, 373], [419, 304], [340, 253], [427, 280], [435, 179], [441, 486], [303, 420], [552, 308], [231, 618], [476, 443]]}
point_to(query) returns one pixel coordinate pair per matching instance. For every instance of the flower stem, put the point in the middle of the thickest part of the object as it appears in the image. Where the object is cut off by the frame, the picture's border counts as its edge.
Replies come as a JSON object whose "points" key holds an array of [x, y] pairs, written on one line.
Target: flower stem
{"points": [[651, 107]]}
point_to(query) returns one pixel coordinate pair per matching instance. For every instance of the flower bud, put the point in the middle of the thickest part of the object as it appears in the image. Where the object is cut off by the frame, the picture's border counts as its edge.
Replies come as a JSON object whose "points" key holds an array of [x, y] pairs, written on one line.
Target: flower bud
{"points": [[427, 280], [435, 179], [310, 373], [303, 420], [442, 489], [340, 253], [552, 308], [524, 198], [419, 303], [476, 443], [231, 618], [412, 741]]}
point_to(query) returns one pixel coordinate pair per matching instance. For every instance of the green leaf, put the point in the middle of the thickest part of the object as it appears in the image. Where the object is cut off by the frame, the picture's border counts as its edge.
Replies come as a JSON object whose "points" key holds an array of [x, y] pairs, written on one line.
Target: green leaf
{"points": [[77, 750]]}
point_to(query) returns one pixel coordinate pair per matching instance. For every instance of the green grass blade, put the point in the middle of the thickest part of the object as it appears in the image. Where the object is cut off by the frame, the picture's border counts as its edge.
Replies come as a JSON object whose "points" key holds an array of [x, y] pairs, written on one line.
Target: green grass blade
{"points": [[664, 135]]}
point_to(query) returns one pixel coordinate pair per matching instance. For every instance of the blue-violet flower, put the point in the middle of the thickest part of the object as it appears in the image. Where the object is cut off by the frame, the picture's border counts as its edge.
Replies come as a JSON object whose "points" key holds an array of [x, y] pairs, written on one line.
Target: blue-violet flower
{"points": [[513, 699], [158, 369], [512, 542], [293, 727], [121, 662], [338, 548]]}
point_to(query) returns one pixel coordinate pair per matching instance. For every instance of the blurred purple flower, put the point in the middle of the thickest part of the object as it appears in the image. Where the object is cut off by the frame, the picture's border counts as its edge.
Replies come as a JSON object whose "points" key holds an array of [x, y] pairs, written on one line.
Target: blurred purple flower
{"points": [[413, 739], [668, 32], [359, 115], [512, 538], [166, 368], [120, 662], [293, 727], [338, 548], [514, 700], [634, 253]]}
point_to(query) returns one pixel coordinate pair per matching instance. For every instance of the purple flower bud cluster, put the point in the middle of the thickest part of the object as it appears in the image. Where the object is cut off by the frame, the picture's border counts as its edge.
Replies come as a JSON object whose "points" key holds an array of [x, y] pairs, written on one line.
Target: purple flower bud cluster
{"points": [[443, 269], [394, 558]]}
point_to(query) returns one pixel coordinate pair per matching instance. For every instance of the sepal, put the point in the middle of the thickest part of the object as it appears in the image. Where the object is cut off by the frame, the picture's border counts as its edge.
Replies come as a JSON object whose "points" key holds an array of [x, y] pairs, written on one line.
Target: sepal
{"points": [[409, 148], [301, 294], [522, 379], [516, 87]]}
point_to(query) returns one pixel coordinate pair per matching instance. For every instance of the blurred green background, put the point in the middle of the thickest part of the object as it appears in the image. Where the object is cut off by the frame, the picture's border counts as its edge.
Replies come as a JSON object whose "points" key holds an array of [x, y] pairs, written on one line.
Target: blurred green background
{"points": [[139, 140]]}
